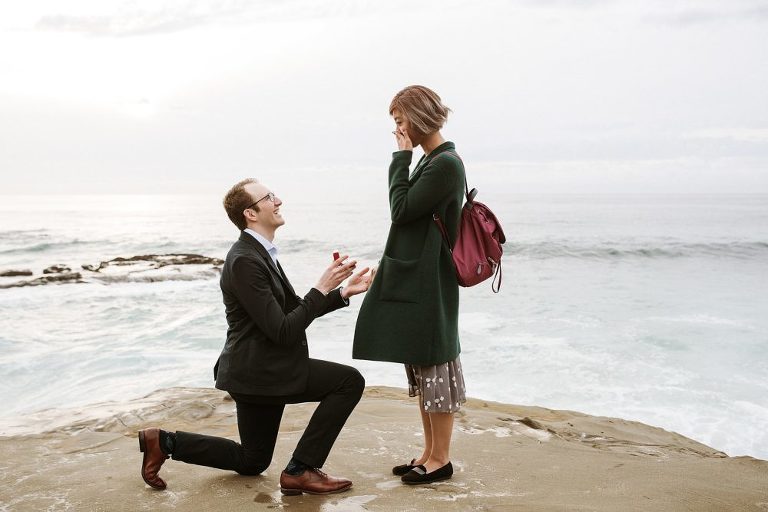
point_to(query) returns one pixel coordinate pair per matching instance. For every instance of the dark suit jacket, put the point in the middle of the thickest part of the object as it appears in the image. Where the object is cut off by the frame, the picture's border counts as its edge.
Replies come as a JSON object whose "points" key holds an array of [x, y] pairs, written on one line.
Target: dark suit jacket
{"points": [[266, 350]]}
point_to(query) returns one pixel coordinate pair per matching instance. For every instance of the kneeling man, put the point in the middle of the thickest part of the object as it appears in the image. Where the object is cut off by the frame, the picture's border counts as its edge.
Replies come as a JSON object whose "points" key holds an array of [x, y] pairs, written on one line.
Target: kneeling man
{"points": [[265, 362]]}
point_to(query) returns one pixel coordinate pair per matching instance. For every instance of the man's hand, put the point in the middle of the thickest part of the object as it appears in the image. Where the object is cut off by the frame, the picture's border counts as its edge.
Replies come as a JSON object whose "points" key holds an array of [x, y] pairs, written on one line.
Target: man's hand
{"points": [[335, 274], [403, 141], [358, 283]]}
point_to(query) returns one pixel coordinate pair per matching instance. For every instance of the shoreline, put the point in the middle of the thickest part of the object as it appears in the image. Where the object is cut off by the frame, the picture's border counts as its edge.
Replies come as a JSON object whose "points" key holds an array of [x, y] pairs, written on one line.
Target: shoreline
{"points": [[506, 457]]}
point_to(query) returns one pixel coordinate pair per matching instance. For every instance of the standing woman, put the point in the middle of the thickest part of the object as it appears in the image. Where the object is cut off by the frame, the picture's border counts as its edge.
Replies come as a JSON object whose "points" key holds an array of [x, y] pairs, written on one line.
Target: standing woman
{"points": [[410, 315]]}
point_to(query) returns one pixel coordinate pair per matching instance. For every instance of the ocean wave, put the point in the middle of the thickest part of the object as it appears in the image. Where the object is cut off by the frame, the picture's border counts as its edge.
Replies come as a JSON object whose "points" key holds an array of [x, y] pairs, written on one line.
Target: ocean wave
{"points": [[607, 251], [158, 277], [302, 244], [533, 250], [16, 234], [46, 246]]}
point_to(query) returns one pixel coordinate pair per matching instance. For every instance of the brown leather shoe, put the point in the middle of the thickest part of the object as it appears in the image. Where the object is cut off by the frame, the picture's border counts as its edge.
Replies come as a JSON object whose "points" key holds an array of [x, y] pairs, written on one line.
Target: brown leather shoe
{"points": [[149, 444], [312, 481]]}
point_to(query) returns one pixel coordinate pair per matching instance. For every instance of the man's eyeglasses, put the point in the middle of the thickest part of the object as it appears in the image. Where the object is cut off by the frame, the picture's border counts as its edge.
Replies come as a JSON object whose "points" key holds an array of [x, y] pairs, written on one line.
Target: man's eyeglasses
{"points": [[269, 196]]}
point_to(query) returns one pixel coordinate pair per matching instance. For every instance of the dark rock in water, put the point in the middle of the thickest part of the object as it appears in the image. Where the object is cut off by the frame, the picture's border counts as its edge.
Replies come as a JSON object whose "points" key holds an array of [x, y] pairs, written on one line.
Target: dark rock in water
{"points": [[57, 269], [146, 268], [159, 260], [69, 277], [15, 273]]}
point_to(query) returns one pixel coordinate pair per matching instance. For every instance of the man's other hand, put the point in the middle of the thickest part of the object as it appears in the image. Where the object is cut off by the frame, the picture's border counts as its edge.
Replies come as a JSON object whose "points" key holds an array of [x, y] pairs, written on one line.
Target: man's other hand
{"points": [[358, 283]]}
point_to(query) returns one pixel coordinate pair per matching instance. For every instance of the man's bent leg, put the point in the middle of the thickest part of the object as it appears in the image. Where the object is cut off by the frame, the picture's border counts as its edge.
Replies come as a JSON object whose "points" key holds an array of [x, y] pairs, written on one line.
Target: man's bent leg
{"points": [[338, 388], [258, 426]]}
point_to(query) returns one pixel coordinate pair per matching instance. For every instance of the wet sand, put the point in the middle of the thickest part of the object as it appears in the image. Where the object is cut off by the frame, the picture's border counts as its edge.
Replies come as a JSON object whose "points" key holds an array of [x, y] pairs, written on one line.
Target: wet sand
{"points": [[506, 458]]}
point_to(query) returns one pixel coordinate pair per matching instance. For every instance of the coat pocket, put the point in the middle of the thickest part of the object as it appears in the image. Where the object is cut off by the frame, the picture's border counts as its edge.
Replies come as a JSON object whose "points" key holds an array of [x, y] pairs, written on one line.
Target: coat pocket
{"points": [[400, 280]]}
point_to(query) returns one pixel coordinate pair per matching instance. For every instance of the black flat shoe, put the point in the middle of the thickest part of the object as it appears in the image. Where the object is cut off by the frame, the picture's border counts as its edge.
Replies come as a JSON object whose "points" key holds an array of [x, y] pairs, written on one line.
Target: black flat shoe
{"points": [[403, 468], [419, 475]]}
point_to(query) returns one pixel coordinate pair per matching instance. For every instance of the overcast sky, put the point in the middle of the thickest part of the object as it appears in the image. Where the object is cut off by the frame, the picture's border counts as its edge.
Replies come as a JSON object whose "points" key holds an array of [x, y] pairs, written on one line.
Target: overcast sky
{"points": [[157, 96]]}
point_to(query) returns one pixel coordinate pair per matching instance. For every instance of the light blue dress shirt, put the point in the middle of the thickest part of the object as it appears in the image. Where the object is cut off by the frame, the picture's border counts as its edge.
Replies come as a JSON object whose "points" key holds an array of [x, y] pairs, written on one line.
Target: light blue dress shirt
{"points": [[269, 246]]}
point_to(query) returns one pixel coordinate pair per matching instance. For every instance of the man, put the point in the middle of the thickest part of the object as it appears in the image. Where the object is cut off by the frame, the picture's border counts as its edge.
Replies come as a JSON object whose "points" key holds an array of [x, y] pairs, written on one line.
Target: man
{"points": [[265, 362]]}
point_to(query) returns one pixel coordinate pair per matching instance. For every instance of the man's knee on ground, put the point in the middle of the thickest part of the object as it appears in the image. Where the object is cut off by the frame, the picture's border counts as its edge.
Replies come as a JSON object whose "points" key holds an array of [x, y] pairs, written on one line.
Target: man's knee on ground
{"points": [[252, 466], [251, 470]]}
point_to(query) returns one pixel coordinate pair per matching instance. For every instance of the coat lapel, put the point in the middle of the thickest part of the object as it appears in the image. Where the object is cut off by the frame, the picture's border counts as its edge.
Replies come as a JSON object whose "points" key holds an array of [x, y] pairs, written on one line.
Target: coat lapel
{"points": [[417, 170], [284, 277], [425, 159], [245, 237]]}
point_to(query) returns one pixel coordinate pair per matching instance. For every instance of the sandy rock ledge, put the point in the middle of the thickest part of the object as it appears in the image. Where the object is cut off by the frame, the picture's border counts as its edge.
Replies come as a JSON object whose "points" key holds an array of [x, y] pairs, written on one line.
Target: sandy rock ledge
{"points": [[506, 458]]}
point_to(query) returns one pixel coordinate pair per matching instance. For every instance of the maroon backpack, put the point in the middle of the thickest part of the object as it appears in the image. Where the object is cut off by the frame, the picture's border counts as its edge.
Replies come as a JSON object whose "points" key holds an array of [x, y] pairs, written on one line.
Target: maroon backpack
{"points": [[477, 251]]}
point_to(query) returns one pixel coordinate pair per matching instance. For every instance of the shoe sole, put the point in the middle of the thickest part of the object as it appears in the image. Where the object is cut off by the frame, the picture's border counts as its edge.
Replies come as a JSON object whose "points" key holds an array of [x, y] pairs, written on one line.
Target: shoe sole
{"points": [[143, 449], [429, 481], [296, 492]]}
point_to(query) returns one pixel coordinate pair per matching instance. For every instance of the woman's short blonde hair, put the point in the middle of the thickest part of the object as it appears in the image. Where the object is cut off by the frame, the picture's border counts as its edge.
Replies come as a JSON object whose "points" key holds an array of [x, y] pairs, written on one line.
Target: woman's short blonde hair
{"points": [[422, 107]]}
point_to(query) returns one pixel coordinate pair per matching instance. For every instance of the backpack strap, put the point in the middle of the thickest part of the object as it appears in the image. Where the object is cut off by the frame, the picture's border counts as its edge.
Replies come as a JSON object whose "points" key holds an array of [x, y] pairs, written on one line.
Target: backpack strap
{"points": [[443, 231], [466, 186], [494, 286], [469, 194]]}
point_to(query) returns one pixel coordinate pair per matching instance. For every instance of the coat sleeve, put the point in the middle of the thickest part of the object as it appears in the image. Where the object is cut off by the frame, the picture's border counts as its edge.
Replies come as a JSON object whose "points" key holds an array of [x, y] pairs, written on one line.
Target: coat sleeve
{"points": [[252, 288], [408, 202], [334, 301]]}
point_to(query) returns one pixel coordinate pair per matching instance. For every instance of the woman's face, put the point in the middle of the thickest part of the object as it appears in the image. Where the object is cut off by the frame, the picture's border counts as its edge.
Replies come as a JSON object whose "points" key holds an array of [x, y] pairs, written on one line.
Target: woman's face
{"points": [[402, 123]]}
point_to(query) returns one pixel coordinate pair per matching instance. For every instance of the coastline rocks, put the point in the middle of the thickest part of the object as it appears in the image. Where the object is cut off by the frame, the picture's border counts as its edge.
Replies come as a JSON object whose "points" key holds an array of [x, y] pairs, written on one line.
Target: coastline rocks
{"points": [[69, 277], [141, 268], [16, 273], [57, 269], [160, 260]]}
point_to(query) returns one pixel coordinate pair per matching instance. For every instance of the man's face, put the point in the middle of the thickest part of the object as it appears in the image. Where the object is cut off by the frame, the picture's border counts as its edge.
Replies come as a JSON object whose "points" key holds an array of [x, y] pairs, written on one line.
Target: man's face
{"points": [[269, 211]]}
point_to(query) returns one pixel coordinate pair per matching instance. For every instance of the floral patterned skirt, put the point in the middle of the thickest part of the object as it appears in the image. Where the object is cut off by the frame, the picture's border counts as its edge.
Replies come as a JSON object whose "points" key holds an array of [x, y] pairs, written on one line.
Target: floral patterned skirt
{"points": [[441, 386]]}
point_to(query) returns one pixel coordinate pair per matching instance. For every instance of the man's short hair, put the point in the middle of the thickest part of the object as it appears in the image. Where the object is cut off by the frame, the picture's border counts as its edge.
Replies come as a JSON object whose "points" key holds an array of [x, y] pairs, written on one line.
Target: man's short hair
{"points": [[422, 107], [237, 200]]}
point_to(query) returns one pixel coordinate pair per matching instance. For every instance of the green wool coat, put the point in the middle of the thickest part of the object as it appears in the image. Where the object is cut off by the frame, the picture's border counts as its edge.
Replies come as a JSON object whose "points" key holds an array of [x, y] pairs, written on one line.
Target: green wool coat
{"points": [[410, 313]]}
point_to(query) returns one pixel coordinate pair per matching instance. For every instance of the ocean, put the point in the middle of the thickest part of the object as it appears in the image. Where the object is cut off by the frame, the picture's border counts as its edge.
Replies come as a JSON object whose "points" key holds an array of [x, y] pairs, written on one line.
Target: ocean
{"points": [[645, 307]]}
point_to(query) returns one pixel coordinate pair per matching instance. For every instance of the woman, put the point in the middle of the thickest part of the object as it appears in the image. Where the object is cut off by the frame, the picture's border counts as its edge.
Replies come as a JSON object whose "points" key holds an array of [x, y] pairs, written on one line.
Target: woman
{"points": [[410, 314]]}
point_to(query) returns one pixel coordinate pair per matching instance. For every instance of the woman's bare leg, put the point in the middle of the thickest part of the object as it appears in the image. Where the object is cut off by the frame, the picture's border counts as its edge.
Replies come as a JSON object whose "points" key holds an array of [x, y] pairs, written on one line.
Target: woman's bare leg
{"points": [[427, 425], [442, 428]]}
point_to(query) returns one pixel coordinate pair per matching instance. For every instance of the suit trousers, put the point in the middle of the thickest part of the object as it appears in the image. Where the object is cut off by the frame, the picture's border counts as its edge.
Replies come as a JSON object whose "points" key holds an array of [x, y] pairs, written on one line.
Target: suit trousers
{"points": [[337, 387]]}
